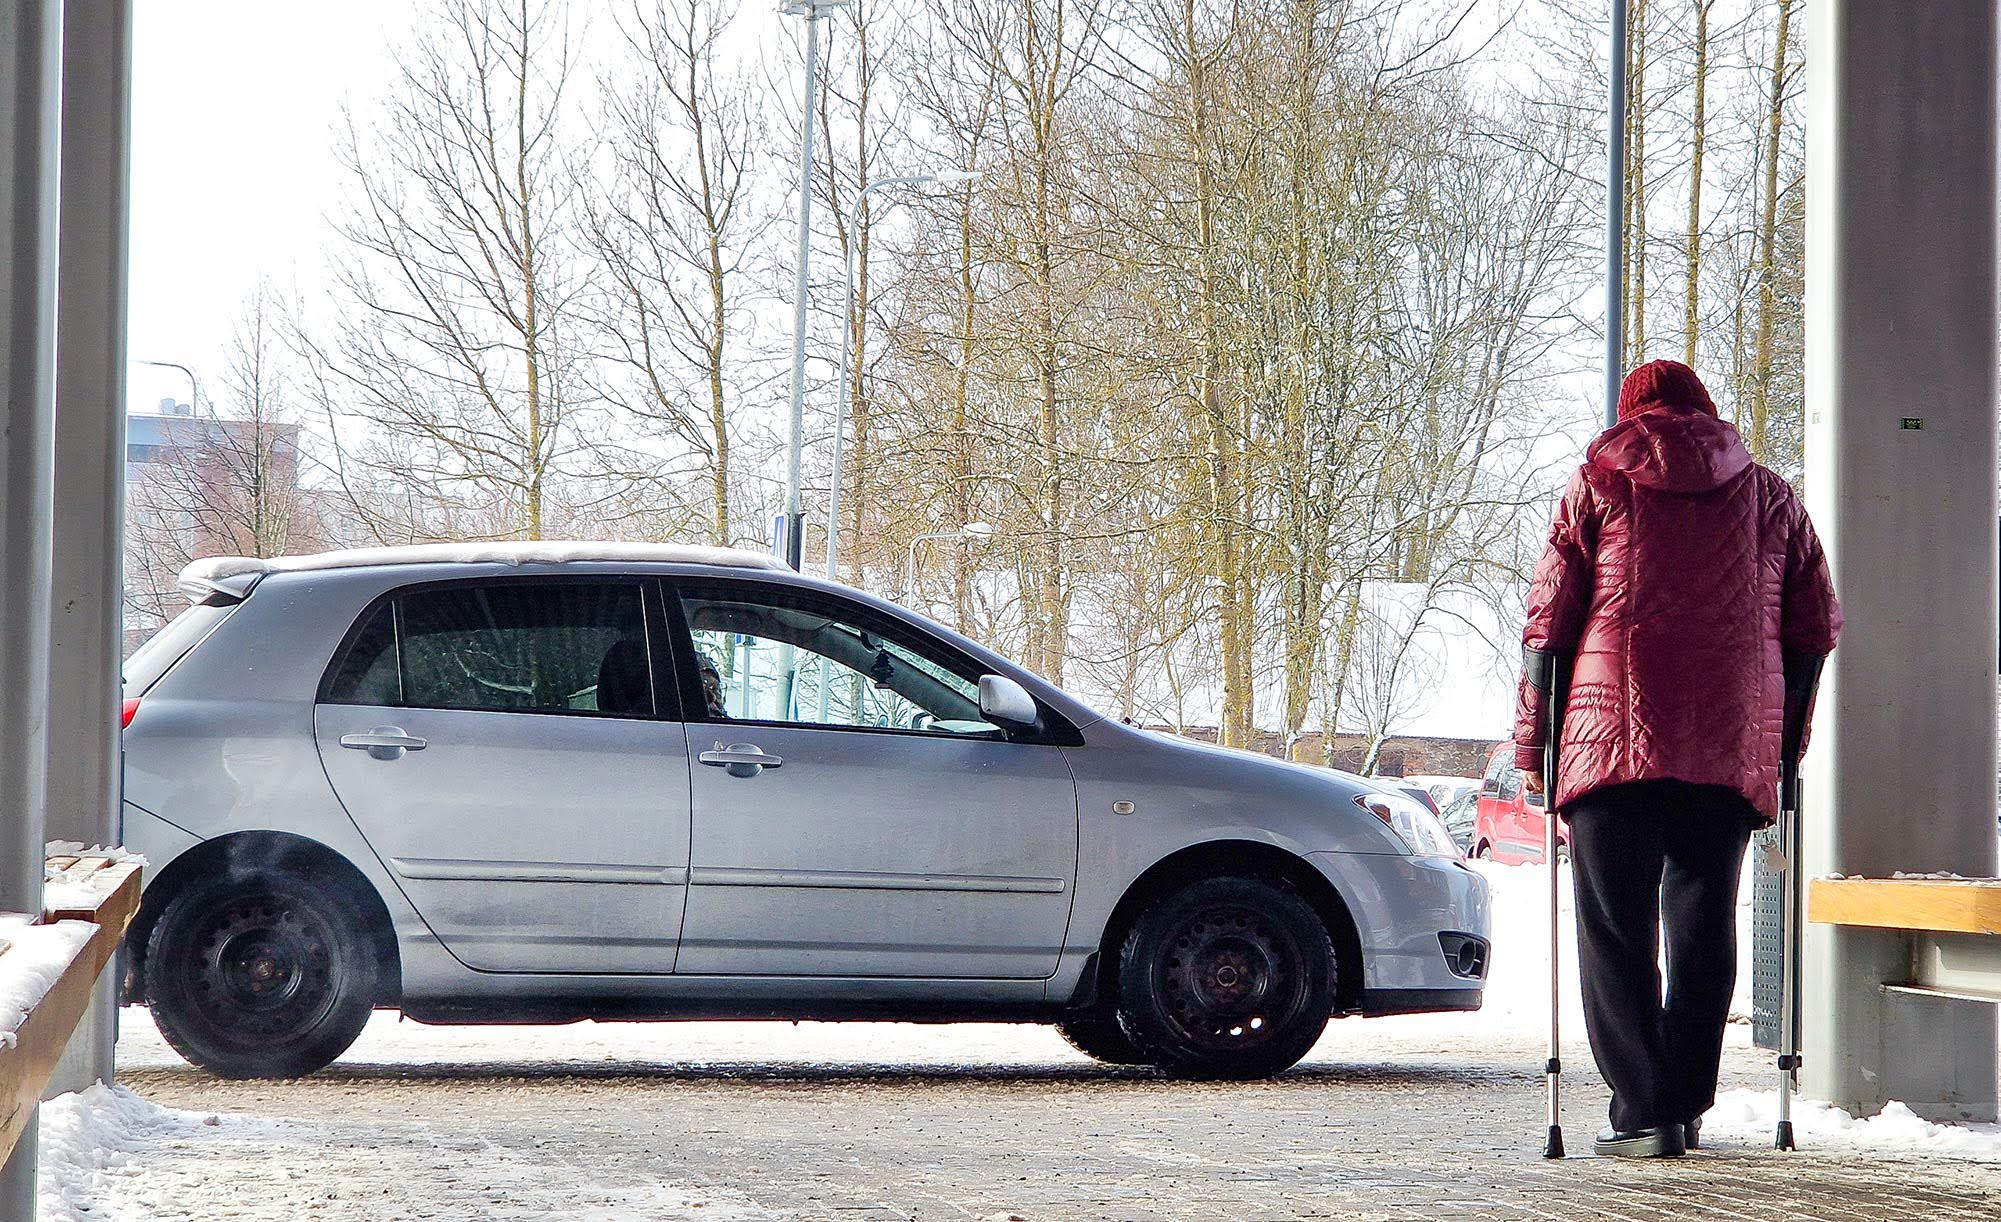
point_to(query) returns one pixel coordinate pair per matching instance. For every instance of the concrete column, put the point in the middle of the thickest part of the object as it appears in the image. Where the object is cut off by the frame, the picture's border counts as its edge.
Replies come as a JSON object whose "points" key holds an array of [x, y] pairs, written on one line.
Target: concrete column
{"points": [[86, 637], [1901, 383], [29, 71]]}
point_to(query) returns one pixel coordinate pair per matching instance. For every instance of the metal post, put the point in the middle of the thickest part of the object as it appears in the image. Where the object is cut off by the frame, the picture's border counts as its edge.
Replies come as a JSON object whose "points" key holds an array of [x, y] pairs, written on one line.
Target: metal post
{"points": [[791, 535], [1615, 219], [848, 325], [86, 629], [30, 72], [1901, 244]]}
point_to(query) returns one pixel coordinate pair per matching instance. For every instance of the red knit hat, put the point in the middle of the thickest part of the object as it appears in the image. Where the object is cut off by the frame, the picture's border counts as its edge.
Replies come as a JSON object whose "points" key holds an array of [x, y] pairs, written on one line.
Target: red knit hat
{"points": [[1668, 384]]}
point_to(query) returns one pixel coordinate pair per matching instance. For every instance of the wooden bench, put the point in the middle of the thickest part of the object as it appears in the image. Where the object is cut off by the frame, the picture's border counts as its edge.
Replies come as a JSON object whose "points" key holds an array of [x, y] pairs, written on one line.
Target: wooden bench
{"points": [[97, 888], [1953, 928]]}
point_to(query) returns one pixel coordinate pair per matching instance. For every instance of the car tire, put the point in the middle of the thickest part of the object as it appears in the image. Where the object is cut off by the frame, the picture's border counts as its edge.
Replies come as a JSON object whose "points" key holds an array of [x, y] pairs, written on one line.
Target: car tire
{"points": [[260, 975], [1227, 978], [1100, 1037]]}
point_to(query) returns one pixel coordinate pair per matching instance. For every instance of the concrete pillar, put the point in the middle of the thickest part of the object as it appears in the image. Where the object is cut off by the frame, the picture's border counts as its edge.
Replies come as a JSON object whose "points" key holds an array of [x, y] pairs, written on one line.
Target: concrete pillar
{"points": [[1900, 344], [86, 636], [29, 71]]}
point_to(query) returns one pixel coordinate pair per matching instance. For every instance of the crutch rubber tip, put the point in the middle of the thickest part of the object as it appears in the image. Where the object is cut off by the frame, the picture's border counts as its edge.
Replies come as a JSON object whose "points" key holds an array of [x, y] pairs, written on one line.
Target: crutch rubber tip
{"points": [[1783, 1139], [1553, 1148]]}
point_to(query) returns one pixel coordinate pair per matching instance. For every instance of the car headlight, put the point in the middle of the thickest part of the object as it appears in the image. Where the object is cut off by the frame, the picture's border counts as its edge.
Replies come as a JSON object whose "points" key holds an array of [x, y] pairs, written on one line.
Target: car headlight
{"points": [[1421, 831]]}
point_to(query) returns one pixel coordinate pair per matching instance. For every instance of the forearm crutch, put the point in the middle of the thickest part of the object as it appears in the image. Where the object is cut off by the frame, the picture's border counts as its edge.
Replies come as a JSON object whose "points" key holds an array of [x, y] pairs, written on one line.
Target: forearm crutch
{"points": [[1802, 676], [1549, 673]]}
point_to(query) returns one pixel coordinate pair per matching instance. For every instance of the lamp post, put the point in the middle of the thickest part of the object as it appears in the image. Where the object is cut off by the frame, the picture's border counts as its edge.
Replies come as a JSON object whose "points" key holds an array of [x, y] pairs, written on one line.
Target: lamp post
{"points": [[848, 323], [971, 531], [812, 11], [194, 386]]}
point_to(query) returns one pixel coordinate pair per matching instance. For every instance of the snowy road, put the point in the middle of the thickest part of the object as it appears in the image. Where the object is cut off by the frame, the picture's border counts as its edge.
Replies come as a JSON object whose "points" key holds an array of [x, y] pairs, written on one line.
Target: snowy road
{"points": [[1424, 1116]]}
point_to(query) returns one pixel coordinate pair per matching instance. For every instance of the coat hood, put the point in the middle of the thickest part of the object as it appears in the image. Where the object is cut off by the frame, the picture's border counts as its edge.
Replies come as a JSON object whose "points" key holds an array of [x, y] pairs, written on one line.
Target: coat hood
{"points": [[1671, 450]]}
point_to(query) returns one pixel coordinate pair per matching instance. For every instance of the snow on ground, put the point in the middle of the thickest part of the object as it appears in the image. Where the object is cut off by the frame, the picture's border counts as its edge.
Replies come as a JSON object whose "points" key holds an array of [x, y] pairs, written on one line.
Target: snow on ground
{"points": [[1753, 1114], [93, 1143], [110, 1155], [32, 959]]}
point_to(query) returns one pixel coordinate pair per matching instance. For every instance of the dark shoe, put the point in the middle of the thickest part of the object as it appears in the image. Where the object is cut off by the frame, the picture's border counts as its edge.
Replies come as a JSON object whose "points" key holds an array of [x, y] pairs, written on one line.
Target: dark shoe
{"points": [[1661, 1141], [1692, 1134]]}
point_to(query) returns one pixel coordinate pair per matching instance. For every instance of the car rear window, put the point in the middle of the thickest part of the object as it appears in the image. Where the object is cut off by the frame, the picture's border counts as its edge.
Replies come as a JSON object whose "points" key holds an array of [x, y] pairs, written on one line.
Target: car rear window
{"points": [[175, 639], [570, 647]]}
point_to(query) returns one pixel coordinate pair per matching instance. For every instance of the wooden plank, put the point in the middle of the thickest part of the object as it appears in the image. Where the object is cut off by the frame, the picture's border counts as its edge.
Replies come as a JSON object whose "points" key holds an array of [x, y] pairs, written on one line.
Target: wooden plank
{"points": [[117, 888], [39, 1041], [1946, 905], [25, 1068]]}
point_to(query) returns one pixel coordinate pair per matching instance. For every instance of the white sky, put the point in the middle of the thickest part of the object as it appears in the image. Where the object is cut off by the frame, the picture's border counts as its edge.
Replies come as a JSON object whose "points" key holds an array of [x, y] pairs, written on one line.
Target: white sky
{"points": [[233, 172]]}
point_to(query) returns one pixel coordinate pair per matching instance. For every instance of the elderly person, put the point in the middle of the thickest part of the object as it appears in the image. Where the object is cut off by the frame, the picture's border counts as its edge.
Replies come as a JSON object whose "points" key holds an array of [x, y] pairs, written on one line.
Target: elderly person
{"points": [[1686, 583]]}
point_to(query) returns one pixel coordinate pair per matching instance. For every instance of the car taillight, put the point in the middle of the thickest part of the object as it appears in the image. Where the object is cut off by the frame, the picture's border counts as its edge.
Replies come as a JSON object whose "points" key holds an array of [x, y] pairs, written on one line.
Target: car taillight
{"points": [[125, 711]]}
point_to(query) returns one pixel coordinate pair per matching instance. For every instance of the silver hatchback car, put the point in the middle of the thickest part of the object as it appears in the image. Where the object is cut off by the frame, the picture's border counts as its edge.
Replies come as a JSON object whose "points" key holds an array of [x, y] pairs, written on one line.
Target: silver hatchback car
{"points": [[549, 782]]}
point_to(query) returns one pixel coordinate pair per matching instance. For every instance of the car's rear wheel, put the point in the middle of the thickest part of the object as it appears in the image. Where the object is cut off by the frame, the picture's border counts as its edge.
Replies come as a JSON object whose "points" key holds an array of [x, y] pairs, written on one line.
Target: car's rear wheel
{"points": [[1227, 978], [1485, 852], [263, 975], [1099, 1036]]}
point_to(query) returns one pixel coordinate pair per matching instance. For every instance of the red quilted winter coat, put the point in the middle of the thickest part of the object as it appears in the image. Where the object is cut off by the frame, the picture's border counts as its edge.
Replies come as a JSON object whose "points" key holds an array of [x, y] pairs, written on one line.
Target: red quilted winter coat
{"points": [[1678, 572]]}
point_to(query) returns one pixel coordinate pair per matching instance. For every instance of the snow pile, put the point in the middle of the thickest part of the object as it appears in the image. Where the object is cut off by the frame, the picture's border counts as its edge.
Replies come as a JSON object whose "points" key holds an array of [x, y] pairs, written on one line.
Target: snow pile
{"points": [[1948, 877], [1753, 1114], [114, 854], [32, 959], [68, 897], [98, 1141]]}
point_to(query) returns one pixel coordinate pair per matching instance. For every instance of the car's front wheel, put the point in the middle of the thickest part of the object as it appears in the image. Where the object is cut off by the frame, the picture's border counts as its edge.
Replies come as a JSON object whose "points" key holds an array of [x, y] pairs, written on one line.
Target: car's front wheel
{"points": [[1100, 1037], [1227, 978], [263, 975]]}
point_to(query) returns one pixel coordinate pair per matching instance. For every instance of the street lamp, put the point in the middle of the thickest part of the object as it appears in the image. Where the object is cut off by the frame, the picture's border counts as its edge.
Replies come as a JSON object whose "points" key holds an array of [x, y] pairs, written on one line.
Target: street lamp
{"points": [[848, 324], [194, 387], [972, 532], [812, 11]]}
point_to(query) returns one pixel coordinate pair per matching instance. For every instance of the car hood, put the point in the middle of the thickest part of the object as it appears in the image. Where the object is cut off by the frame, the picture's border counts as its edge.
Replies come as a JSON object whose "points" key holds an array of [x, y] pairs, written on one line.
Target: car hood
{"points": [[1277, 791]]}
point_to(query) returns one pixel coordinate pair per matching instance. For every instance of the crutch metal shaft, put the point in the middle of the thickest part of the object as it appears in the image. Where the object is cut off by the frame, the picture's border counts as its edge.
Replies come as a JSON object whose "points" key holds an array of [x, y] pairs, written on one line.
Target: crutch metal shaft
{"points": [[1549, 673], [1802, 676]]}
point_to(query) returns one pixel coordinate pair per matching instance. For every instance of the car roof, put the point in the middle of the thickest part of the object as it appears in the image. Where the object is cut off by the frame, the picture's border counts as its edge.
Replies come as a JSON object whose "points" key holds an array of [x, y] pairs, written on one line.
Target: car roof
{"points": [[236, 574]]}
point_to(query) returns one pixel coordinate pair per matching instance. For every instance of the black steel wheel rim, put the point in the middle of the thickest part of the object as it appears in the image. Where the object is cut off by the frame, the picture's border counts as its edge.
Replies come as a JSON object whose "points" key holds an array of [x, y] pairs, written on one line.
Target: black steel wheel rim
{"points": [[264, 968], [1231, 979]]}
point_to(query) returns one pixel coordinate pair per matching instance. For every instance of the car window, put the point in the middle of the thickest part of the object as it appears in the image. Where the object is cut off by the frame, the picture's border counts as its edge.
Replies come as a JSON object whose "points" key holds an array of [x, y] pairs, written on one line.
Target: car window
{"points": [[171, 643], [563, 647], [1497, 764], [792, 656], [1511, 783]]}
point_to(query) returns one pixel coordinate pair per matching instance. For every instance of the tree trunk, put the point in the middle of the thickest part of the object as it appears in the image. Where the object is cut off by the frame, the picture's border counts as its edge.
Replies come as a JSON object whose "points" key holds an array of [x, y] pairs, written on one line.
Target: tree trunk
{"points": [[1691, 320], [1768, 242]]}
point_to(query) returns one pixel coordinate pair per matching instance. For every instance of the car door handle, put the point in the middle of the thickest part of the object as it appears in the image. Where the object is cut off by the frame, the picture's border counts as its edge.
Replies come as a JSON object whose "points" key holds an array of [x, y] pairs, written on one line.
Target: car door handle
{"points": [[740, 759], [384, 742]]}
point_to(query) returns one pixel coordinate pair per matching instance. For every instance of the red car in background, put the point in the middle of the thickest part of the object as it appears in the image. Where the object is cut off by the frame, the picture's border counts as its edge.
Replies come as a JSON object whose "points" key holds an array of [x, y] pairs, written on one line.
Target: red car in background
{"points": [[1511, 822]]}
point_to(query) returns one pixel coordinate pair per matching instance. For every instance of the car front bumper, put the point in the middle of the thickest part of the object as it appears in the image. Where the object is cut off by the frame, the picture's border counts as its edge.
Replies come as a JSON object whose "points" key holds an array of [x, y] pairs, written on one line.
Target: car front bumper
{"points": [[1401, 905]]}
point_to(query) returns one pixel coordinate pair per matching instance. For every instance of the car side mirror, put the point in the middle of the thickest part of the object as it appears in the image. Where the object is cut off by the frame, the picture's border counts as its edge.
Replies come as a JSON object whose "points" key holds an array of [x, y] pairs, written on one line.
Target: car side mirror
{"points": [[1007, 703]]}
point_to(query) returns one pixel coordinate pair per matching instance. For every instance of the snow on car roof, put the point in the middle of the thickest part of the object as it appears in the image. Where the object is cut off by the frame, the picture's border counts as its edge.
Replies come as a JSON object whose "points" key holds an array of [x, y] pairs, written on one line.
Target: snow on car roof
{"points": [[212, 572]]}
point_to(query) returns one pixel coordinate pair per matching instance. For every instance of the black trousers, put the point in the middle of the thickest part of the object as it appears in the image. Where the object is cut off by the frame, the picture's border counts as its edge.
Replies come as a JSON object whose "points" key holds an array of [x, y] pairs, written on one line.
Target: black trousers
{"points": [[1648, 856]]}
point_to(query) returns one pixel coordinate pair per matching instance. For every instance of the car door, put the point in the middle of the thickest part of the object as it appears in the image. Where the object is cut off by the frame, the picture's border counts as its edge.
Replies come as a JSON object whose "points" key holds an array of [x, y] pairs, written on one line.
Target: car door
{"points": [[1514, 834], [853, 815], [1490, 822], [501, 746]]}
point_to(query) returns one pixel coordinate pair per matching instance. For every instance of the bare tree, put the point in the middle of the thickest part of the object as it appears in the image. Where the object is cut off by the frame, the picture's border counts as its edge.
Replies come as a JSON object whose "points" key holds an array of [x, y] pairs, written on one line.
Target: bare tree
{"points": [[455, 339], [225, 482], [676, 234]]}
